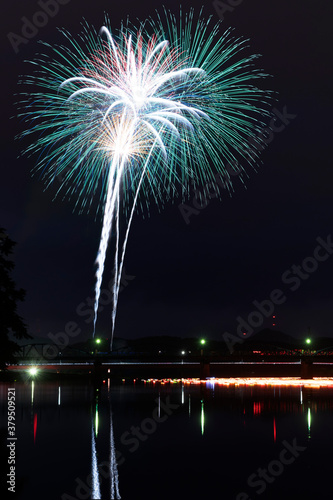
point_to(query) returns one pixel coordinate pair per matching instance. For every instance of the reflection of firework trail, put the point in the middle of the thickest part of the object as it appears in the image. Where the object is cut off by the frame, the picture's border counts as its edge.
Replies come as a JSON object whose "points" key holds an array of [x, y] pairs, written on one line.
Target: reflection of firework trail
{"points": [[143, 114], [114, 480], [96, 491], [113, 465]]}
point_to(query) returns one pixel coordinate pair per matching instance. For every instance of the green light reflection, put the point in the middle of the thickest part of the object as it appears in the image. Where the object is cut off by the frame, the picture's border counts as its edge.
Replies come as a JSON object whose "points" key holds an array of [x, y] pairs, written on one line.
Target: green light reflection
{"points": [[96, 420], [309, 422]]}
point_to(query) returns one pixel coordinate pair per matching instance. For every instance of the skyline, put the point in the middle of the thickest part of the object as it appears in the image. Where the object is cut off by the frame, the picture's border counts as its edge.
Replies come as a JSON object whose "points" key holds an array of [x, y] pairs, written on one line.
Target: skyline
{"points": [[191, 275]]}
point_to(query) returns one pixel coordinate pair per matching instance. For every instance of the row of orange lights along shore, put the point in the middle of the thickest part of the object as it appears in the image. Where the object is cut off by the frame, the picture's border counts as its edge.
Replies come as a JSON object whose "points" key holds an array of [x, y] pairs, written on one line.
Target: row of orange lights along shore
{"points": [[316, 382]]}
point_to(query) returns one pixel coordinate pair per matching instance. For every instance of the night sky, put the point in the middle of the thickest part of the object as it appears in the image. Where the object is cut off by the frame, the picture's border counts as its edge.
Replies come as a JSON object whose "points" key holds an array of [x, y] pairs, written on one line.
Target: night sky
{"points": [[197, 278]]}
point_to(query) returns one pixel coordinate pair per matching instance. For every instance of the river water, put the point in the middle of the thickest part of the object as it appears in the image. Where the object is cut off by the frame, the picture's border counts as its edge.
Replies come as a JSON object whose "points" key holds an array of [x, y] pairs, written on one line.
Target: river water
{"points": [[169, 440]]}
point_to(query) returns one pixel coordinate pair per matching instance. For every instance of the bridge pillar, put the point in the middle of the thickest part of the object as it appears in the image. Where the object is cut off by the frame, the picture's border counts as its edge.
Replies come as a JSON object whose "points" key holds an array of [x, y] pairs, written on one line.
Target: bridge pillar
{"points": [[204, 369], [306, 368]]}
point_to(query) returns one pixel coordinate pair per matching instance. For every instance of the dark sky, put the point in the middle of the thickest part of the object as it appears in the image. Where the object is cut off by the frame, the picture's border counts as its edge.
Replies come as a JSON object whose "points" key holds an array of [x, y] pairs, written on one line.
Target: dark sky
{"points": [[197, 278]]}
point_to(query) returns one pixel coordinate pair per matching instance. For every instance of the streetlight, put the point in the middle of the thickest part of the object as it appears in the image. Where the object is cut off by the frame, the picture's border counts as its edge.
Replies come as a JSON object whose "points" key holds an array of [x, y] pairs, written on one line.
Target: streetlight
{"points": [[97, 342], [308, 341], [33, 371], [202, 342]]}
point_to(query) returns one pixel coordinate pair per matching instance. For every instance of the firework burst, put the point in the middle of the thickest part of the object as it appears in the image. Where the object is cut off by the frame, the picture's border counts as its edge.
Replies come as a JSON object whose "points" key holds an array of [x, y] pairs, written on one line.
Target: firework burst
{"points": [[134, 116]]}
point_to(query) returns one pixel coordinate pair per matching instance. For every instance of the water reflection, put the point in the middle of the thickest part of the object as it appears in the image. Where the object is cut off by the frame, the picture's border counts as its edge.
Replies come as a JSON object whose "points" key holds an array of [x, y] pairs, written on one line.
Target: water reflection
{"points": [[96, 489], [96, 419], [202, 417], [85, 425], [35, 427], [254, 398], [112, 467], [309, 422], [32, 392], [33, 412], [159, 405]]}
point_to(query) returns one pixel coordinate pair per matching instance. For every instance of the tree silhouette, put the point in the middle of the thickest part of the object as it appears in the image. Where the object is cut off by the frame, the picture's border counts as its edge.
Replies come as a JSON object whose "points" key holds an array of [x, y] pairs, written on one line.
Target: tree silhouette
{"points": [[10, 321]]}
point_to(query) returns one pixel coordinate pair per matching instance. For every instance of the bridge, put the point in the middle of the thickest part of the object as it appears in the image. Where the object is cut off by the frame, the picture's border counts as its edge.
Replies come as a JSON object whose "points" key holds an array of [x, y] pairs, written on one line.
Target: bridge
{"points": [[51, 358]]}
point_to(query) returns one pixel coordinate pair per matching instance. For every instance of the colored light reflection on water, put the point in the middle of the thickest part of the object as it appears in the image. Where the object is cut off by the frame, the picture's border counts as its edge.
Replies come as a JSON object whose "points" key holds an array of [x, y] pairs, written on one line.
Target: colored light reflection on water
{"points": [[113, 465], [217, 432], [256, 408], [96, 420], [32, 391], [316, 382], [96, 490], [202, 417], [35, 427]]}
